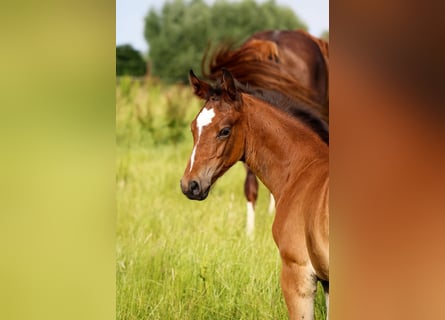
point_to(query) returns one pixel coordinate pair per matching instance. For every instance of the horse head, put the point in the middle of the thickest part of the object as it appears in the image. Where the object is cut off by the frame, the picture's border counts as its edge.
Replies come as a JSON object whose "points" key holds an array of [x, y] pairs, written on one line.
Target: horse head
{"points": [[217, 134]]}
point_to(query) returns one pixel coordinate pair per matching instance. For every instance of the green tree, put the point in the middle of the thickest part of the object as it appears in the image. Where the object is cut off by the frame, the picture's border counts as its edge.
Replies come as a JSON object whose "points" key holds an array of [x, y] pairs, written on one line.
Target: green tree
{"points": [[129, 61], [178, 35]]}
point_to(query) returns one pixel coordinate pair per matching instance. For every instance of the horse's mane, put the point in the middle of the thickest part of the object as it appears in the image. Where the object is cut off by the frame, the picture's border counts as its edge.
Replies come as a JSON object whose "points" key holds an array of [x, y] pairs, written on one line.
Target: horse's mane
{"points": [[295, 108], [247, 68]]}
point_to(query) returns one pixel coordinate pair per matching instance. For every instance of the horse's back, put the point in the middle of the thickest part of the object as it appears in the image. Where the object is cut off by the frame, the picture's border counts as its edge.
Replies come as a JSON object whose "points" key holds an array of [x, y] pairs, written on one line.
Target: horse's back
{"points": [[289, 61], [306, 57]]}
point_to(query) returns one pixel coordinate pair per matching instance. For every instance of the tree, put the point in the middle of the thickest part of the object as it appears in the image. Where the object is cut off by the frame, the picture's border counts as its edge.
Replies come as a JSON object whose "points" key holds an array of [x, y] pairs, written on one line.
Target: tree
{"points": [[129, 61], [178, 35]]}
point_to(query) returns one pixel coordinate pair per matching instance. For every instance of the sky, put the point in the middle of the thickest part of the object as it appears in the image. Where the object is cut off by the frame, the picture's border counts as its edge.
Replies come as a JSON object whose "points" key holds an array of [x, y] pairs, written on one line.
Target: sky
{"points": [[130, 16]]}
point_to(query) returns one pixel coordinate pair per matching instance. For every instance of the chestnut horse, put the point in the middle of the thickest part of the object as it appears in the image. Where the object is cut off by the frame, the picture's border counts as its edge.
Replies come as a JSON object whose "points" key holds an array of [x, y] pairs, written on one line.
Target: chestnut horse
{"points": [[293, 63], [285, 143]]}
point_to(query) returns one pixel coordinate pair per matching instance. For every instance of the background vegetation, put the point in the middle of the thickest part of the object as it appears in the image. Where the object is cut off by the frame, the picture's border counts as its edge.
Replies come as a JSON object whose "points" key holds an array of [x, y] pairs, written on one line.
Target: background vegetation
{"points": [[129, 61], [179, 34]]}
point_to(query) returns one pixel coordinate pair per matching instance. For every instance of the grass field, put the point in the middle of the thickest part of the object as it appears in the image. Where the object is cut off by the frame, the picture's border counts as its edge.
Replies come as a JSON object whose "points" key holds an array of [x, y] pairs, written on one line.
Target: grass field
{"points": [[177, 258]]}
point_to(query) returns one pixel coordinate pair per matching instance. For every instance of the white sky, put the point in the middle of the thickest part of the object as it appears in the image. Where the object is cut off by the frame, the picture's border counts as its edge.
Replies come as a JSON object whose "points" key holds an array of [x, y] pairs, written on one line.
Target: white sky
{"points": [[130, 16]]}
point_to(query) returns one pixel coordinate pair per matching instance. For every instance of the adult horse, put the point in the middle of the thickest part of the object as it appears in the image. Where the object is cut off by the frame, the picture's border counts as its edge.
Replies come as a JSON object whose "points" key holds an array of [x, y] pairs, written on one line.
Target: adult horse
{"points": [[285, 143], [294, 63]]}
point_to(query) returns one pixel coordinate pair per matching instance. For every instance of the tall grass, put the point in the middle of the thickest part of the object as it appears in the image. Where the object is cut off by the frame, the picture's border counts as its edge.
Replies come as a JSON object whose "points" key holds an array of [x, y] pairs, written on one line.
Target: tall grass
{"points": [[182, 259]]}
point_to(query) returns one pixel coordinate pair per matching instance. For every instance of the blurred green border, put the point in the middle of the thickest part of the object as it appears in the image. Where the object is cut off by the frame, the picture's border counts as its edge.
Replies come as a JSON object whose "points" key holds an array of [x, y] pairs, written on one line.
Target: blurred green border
{"points": [[57, 203]]}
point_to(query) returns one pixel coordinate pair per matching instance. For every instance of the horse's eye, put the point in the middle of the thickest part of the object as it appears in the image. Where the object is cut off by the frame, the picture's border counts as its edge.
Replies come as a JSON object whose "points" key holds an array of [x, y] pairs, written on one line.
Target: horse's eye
{"points": [[224, 133]]}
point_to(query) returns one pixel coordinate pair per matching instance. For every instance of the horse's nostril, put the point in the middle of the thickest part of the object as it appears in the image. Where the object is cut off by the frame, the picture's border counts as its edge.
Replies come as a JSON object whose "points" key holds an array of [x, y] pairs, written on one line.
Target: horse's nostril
{"points": [[194, 187]]}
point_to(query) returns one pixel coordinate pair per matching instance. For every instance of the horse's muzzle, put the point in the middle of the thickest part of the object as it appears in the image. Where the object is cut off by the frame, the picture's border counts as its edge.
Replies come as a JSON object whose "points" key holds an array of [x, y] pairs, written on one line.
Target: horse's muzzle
{"points": [[194, 190]]}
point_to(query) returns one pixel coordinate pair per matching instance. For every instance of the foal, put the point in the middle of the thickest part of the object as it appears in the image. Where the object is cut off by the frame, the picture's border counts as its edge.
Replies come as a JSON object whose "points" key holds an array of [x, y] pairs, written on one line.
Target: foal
{"points": [[290, 156]]}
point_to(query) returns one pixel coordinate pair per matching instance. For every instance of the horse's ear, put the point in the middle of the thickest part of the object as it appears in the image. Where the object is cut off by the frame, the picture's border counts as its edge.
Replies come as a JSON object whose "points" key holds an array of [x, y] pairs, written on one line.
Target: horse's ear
{"points": [[200, 88], [228, 84]]}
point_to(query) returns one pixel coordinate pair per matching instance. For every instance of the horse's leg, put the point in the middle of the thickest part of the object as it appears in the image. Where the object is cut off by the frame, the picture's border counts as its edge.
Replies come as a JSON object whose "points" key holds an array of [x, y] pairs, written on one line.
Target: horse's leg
{"points": [[271, 204], [298, 285], [326, 295], [251, 192]]}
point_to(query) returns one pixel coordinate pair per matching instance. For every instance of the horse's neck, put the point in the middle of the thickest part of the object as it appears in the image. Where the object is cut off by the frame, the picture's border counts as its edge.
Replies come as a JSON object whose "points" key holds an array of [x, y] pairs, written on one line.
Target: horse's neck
{"points": [[280, 148]]}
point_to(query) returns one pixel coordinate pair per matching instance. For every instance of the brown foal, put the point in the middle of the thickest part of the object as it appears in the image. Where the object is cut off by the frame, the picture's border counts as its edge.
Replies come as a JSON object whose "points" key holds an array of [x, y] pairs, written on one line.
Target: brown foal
{"points": [[289, 153]]}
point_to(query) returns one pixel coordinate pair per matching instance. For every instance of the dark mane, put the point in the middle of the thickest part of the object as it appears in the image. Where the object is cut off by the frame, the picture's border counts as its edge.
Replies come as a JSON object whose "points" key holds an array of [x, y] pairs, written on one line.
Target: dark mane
{"points": [[245, 69], [297, 109], [309, 116], [258, 63]]}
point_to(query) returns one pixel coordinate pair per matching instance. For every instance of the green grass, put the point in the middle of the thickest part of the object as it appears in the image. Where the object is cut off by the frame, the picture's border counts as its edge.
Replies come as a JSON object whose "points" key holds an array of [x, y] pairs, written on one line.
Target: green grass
{"points": [[183, 259]]}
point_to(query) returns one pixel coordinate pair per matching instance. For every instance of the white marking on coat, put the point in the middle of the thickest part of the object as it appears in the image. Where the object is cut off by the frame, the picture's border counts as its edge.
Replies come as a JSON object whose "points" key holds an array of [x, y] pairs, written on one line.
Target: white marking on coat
{"points": [[271, 204], [250, 219], [204, 119]]}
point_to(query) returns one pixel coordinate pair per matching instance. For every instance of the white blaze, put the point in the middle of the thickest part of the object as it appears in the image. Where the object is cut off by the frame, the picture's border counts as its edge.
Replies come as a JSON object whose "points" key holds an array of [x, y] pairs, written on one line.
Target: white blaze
{"points": [[250, 219], [204, 119]]}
